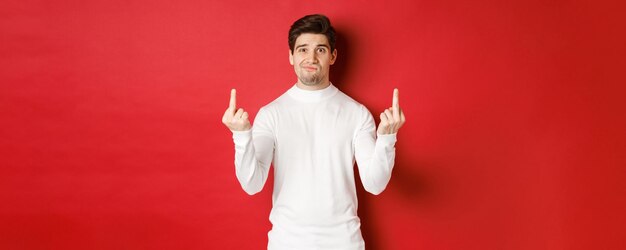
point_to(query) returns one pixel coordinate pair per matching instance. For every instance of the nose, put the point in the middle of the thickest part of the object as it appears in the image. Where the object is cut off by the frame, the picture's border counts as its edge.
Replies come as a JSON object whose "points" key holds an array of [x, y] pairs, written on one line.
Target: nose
{"points": [[311, 57]]}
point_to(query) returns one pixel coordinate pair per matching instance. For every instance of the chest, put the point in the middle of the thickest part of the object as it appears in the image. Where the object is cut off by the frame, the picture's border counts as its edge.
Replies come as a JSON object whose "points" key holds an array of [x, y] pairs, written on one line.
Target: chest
{"points": [[324, 126]]}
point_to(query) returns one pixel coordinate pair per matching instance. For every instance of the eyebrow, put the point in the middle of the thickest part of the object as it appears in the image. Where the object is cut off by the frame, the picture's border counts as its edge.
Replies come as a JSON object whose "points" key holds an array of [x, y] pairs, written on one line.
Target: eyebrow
{"points": [[319, 45]]}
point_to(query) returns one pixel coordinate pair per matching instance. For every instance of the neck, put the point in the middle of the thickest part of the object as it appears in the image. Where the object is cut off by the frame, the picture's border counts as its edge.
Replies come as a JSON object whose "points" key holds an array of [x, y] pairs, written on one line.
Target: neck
{"points": [[304, 95], [321, 85]]}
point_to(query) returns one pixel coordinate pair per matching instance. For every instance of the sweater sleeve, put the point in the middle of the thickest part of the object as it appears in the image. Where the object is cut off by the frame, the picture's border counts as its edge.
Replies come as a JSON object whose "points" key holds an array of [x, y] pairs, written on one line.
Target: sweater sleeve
{"points": [[375, 156], [253, 154]]}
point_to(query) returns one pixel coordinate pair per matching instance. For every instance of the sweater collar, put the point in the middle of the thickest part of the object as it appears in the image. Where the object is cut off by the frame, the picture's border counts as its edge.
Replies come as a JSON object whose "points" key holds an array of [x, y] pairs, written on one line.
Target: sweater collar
{"points": [[312, 95]]}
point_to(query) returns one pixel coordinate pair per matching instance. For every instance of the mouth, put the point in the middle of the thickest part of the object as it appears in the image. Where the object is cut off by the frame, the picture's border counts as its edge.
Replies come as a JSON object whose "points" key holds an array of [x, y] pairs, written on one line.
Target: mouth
{"points": [[309, 68]]}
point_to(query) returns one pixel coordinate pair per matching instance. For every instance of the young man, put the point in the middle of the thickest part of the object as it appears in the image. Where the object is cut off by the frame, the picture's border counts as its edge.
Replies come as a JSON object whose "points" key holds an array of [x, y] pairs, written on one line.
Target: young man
{"points": [[312, 134]]}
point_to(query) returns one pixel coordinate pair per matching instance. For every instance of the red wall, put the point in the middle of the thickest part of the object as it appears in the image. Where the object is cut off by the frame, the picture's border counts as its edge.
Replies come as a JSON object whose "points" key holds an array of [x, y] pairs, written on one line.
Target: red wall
{"points": [[110, 133]]}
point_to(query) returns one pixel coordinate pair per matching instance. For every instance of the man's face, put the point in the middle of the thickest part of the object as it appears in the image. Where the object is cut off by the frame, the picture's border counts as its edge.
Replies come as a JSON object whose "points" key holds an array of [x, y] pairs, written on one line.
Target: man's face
{"points": [[311, 59]]}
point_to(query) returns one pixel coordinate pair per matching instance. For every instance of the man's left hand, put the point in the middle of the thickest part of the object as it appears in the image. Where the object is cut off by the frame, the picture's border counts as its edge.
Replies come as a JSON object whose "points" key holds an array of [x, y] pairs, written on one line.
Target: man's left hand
{"points": [[392, 118]]}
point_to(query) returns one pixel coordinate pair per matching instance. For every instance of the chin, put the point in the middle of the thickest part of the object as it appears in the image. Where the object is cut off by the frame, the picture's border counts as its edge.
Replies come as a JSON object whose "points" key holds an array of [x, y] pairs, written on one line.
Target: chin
{"points": [[311, 81]]}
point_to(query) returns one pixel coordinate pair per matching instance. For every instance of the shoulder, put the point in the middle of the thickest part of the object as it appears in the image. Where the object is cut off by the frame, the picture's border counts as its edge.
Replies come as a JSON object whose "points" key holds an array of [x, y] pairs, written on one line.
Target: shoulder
{"points": [[272, 109], [275, 105], [348, 102]]}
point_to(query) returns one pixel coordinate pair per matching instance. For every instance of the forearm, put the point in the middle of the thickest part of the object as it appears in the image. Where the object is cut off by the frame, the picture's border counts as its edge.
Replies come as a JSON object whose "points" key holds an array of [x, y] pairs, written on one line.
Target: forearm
{"points": [[376, 162], [250, 168]]}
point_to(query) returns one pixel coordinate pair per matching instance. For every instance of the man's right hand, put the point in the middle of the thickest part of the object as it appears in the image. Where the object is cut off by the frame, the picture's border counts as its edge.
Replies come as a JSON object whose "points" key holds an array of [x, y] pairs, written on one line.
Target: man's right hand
{"points": [[235, 119]]}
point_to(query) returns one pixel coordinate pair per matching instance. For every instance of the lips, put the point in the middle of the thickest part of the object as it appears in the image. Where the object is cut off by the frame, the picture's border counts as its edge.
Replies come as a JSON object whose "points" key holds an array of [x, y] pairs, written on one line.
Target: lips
{"points": [[309, 68]]}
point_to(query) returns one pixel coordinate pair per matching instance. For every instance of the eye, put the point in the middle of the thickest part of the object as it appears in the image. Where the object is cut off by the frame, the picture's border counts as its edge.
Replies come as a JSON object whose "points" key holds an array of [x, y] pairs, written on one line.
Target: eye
{"points": [[321, 50], [302, 50]]}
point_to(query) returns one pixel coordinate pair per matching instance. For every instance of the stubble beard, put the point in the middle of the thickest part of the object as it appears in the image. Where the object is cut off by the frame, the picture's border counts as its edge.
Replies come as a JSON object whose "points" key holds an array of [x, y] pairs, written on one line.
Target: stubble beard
{"points": [[311, 80]]}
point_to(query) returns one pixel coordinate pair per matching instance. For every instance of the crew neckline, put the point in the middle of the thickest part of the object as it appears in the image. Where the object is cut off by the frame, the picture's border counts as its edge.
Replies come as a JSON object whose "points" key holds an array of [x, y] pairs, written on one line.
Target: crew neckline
{"points": [[304, 95]]}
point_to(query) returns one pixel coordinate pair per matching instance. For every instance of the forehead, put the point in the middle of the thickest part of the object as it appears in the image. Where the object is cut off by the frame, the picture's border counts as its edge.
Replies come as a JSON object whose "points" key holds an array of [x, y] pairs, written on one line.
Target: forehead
{"points": [[312, 39]]}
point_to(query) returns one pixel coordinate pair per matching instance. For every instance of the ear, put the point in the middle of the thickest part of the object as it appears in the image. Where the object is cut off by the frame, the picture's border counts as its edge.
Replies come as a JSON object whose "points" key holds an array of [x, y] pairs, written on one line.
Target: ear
{"points": [[333, 57], [290, 57]]}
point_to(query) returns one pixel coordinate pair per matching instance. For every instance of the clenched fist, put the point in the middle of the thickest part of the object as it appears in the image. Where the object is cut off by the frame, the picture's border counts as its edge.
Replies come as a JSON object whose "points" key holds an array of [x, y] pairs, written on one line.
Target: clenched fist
{"points": [[392, 118], [235, 119]]}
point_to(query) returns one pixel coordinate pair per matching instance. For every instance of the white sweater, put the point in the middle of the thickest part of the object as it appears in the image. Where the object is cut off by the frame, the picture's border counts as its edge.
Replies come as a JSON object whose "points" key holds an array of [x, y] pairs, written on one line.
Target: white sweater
{"points": [[313, 138]]}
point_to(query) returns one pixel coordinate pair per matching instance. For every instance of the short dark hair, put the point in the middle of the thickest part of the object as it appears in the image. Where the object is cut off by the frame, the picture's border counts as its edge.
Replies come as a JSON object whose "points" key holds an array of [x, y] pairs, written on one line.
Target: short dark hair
{"points": [[313, 24]]}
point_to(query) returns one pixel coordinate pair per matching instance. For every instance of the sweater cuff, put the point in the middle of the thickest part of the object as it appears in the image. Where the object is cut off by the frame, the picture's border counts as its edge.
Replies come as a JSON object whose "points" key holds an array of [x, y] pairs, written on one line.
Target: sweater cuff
{"points": [[387, 140], [242, 137]]}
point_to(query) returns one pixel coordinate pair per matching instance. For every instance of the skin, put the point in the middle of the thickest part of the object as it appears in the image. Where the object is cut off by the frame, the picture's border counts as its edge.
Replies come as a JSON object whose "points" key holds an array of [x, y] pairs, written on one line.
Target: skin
{"points": [[311, 61]]}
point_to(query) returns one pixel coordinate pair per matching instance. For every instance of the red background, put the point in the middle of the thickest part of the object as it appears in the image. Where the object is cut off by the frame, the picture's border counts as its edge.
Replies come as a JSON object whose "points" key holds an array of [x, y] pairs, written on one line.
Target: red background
{"points": [[111, 135]]}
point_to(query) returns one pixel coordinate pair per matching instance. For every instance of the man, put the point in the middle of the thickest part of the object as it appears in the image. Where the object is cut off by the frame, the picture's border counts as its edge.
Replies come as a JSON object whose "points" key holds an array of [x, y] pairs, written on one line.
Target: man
{"points": [[313, 133]]}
